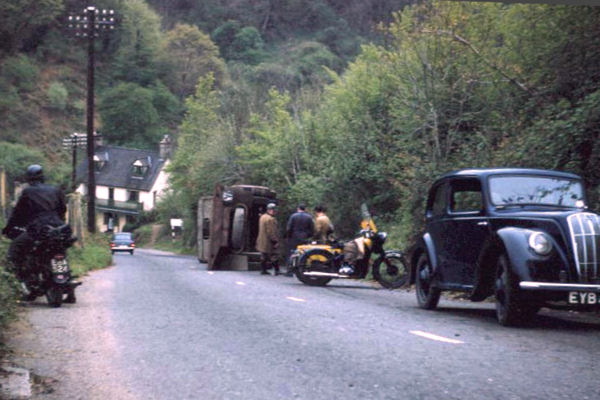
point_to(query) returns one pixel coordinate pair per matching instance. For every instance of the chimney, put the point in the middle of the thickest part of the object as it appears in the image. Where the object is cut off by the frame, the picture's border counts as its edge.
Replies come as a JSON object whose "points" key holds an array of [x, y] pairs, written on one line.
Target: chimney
{"points": [[165, 148]]}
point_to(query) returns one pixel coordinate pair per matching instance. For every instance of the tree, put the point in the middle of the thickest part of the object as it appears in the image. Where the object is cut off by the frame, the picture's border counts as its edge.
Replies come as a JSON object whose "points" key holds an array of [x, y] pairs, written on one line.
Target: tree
{"points": [[247, 46], [129, 116], [192, 54], [141, 44], [16, 157], [23, 22], [205, 147]]}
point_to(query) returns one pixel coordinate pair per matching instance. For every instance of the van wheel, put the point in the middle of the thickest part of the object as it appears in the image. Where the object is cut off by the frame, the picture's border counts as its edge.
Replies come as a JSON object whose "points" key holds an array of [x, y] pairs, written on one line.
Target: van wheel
{"points": [[428, 296]]}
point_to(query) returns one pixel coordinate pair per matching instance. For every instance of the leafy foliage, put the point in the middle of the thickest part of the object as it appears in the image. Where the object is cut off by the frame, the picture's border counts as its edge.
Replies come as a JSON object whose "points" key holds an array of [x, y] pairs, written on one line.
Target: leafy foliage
{"points": [[129, 116], [23, 22], [192, 55], [57, 96]]}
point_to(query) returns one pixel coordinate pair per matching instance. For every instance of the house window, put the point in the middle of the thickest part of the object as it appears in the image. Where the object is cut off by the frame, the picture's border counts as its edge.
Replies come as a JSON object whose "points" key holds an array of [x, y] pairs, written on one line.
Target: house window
{"points": [[111, 193], [98, 163], [134, 196], [138, 168]]}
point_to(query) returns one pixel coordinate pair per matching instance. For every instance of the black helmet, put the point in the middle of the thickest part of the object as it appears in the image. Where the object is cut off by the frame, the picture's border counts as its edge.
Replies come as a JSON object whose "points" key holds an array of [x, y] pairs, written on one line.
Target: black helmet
{"points": [[35, 173]]}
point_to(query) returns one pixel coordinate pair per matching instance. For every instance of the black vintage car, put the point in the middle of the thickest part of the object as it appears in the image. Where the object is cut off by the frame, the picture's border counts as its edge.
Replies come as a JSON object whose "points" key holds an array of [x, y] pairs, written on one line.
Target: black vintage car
{"points": [[522, 235]]}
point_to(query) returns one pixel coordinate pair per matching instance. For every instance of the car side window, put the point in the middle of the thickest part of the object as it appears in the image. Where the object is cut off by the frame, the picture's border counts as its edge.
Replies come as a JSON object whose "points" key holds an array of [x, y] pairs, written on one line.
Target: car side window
{"points": [[466, 196], [438, 206]]}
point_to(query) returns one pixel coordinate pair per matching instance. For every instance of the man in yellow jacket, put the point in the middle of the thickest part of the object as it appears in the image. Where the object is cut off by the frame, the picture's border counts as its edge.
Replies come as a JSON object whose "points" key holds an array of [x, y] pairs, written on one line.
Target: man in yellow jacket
{"points": [[267, 242]]}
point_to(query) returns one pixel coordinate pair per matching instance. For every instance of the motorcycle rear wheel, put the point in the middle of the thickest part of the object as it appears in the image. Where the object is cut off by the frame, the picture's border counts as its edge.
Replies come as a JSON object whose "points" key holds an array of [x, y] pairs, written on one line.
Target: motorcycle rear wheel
{"points": [[311, 261], [54, 295], [392, 271]]}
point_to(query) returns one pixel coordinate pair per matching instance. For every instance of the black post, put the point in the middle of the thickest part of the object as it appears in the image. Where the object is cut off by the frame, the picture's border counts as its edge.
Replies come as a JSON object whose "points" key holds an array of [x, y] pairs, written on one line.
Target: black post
{"points": [[91, 214], [74, 160]]}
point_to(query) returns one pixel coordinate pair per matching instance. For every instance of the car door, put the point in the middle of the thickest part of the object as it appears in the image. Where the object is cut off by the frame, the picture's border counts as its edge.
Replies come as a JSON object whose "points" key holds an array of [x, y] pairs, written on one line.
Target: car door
{"points": [[436, 219], [466, 230]]}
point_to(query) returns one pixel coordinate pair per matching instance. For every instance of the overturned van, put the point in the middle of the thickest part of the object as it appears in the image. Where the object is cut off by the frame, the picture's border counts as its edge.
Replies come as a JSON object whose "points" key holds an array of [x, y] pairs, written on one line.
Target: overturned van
{"points": [[228, 226]]}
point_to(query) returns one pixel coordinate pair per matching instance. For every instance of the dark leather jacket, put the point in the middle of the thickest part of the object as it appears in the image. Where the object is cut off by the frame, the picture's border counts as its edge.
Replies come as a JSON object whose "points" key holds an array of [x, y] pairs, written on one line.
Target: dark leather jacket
{"points": [[300, 226], [36, 201]]}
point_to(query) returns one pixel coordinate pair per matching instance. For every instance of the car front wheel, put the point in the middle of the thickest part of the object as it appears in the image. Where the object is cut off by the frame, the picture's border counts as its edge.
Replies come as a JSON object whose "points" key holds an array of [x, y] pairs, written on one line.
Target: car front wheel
{"points": [[511, 309], [428, 295]]}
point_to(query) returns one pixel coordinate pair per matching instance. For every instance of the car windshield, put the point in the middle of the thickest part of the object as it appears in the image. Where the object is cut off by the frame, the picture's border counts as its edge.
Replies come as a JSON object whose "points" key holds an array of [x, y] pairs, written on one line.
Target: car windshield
{"points": [[536, 190], [122, 236]]}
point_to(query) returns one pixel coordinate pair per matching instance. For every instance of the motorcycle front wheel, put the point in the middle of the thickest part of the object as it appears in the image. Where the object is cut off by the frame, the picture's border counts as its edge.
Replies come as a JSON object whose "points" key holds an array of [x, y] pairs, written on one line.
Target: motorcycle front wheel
{"points": [[391, 271], [314, 260], [54, 295]]}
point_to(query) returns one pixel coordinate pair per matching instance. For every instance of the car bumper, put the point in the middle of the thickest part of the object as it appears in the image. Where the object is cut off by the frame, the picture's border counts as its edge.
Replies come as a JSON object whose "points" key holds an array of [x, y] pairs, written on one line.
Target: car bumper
{"points": [[122, 248], [575, 295], [560, 287]]}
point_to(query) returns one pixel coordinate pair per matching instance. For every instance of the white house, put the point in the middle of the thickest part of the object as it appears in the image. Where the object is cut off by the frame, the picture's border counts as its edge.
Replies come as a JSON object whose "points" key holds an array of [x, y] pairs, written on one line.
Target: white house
{"points": [[127, 182]]}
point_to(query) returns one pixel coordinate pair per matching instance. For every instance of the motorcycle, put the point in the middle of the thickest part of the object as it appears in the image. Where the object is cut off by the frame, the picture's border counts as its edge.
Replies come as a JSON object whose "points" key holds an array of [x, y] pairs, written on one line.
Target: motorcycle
{"points": [[317, 264], [47, 271]]}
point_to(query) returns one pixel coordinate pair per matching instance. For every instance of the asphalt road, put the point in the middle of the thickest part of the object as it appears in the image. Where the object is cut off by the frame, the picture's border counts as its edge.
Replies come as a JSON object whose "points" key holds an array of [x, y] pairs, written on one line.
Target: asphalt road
{"points": [[158, 326]]}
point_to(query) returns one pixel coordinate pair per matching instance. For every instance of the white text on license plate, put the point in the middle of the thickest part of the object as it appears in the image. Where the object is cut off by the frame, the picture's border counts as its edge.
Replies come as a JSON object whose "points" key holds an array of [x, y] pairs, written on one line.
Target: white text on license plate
{"points": [[583, 298]]}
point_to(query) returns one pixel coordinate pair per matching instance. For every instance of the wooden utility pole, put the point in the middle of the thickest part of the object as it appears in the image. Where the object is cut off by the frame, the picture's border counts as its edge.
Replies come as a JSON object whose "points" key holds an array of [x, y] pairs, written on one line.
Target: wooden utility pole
{"points": [[89, 27], [3, 192]]}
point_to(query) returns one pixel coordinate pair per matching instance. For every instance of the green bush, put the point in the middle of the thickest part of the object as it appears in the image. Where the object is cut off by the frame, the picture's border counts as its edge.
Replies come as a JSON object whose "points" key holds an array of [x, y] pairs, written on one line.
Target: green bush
{"points": [[21, 71], [57, 96], [8, 286]]}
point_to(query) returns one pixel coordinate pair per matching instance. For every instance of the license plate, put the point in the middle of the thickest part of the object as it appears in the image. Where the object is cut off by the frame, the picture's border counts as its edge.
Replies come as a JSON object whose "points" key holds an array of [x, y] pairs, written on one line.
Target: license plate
{"points": [[59, 265], [586, 298]]}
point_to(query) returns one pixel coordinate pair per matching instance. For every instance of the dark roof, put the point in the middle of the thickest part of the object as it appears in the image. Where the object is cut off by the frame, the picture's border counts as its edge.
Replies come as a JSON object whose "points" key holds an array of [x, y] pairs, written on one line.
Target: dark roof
{"points": [[484, 172], [117, 169]]}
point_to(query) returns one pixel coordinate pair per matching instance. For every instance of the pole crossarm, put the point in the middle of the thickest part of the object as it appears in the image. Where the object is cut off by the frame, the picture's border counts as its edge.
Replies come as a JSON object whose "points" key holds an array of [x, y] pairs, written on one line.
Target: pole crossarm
{"points": [[91, 22], [78, 140]]}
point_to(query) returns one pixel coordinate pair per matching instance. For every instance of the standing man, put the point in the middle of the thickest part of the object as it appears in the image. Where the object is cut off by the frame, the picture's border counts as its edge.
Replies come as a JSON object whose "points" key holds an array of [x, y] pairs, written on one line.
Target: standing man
{"points": [[300, 226], [323, 225], [267, 241]]}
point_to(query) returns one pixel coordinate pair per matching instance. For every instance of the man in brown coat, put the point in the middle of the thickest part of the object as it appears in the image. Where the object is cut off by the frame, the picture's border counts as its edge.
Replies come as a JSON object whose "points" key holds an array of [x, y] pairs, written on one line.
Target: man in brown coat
{"points": [[267, 241], [323, 225]]}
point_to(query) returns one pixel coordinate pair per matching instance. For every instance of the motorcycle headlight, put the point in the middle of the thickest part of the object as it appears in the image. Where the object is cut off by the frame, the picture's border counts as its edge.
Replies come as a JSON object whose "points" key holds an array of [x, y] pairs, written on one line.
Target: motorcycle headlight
{"points": [[540, 243]]}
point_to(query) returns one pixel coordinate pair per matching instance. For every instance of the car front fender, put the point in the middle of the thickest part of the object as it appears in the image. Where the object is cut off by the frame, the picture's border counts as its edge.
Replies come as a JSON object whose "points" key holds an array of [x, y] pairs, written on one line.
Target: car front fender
{"points": [[525, 262], [424, 245]]}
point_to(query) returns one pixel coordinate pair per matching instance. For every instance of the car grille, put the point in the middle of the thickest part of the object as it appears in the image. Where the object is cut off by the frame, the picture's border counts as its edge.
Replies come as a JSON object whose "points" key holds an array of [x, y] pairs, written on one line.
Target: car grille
{"points": [[585, 238]]}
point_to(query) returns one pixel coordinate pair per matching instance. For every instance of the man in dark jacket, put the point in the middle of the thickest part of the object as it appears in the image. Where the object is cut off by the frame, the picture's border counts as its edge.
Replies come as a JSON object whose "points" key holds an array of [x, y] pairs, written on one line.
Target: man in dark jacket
{"points": [[37, 202], [300, 226]]}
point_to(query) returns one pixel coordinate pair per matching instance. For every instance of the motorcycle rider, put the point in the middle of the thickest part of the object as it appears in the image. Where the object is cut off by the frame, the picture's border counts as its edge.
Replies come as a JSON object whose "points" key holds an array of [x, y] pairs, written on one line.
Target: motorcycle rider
{"points": [[38, 202]]}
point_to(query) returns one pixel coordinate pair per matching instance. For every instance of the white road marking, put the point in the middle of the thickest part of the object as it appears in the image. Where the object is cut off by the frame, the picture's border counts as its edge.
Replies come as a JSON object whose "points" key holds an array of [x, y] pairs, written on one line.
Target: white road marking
{"points": [[240, 283], [210, 272], [436, 337], [296, 299]]}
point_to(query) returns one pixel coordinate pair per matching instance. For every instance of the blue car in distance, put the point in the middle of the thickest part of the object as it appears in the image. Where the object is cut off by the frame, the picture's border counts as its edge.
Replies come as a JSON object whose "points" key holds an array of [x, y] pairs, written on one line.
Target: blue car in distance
{"points": [[122, 241], [524, 236]]}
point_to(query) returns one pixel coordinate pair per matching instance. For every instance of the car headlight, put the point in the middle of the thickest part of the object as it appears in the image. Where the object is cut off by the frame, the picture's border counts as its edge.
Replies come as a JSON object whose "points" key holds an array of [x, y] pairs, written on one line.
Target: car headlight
{"points": [[540, 243]]}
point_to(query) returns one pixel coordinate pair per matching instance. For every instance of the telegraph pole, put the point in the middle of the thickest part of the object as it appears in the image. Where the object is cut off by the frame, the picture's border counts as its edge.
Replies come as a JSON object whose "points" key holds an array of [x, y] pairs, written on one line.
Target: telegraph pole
{"points": [[89, 26]]}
